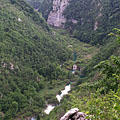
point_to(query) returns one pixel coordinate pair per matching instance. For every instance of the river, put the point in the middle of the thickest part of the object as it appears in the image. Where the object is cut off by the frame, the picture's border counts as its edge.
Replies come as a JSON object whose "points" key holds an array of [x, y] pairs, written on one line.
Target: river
{"points": [[59, 97], [64, 92]]}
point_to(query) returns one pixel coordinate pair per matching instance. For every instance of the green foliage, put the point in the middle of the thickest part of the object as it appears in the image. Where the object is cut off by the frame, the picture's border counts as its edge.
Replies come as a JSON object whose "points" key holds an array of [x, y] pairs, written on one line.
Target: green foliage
{"points": [[95, 19], [104, 53], [30, 58], [111, 71], [99, 107], [100, 99], [43, 6], [35, 3], [29, 61]]}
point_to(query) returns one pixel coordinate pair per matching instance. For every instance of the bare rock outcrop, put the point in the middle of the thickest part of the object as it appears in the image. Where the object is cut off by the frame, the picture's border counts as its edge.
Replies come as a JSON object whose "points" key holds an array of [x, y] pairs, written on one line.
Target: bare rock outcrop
{"points": [[56, 17], [74, 114]]}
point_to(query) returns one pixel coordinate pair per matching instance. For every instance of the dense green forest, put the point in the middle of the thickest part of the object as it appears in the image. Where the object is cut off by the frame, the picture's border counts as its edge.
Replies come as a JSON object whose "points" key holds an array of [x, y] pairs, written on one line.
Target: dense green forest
{"points": [[35, 3], [43, 6], [36, 60], [100, 97], [95, 19], [29, 60], [30, 55]]}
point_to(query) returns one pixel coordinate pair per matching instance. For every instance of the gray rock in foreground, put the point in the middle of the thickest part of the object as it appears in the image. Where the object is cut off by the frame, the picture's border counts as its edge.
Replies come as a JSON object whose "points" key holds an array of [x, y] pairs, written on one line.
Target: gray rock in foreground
{"points": [[74, 114]]}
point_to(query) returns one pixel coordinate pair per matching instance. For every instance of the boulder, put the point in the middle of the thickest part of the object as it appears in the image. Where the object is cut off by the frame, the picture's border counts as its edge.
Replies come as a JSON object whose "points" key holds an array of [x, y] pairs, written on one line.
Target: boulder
{"points": [[74, 114]]}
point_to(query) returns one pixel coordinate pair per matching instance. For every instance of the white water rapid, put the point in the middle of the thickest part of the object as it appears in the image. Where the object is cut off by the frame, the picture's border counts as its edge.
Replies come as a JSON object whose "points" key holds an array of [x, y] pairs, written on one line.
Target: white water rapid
{"points": [[59, 98], [49, 109], [63, 93]]}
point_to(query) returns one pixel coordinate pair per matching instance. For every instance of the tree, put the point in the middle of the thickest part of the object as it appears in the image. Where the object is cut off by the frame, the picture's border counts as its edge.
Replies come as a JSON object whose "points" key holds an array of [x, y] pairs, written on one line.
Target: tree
{"points": [[14, 108], [111, 69]]}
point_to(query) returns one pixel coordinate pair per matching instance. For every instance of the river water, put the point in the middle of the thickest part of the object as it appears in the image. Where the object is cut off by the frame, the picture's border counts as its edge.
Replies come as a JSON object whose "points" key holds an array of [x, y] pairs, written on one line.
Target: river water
{"points": [[64, 92], [59, 97], [49, 108]]}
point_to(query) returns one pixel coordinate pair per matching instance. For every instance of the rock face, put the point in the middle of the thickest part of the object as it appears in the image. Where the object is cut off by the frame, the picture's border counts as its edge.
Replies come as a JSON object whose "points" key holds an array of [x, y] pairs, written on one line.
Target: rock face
{"points": [[56, 17], [74, 114]]}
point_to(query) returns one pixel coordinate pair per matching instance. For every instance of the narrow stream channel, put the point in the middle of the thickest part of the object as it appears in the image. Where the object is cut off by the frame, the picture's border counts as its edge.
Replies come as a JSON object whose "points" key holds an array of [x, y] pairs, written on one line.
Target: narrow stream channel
{"points": [[64, 92]]}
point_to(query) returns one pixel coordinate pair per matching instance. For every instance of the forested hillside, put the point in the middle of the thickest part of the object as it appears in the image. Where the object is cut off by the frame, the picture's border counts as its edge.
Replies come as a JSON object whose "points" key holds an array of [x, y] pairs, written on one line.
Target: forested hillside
{"points": [[99, 97], [31, 55], [90, 20], [37, 61], [43, 6], [29, 60], [95, 19], [35, 3]]}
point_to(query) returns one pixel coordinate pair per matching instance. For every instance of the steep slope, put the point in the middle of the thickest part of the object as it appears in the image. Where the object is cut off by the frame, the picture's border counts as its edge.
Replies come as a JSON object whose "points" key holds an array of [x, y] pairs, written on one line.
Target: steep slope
{"points": [[89, 20], [29, 60], [99, 98], [31, 54], [35, 3], [43, 6], [94, 19]]}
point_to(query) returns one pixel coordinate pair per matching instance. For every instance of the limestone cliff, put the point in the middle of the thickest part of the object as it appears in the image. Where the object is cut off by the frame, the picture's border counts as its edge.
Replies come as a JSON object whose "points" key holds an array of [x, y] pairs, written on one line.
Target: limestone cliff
{"points": [[56, 17]]}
